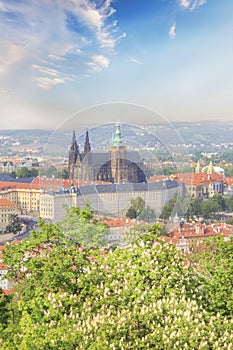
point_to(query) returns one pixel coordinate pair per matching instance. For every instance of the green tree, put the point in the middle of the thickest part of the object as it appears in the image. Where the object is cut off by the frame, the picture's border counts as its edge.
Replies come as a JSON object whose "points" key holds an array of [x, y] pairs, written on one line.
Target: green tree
{"points": [[80, 225], [147, 214], [14, 224], [33, 172], [229, 220], [137, 206], [141, 231], [220, 200], [65, 173], [215, 263], [209, 207], [168, 209], [194, 208], [229, 202], [4, 307], [77, 298], [24, 172]]}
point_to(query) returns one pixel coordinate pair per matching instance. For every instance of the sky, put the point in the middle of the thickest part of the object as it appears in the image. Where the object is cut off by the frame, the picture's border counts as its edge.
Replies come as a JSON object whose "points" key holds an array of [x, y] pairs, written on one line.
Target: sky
{"points": [[58, 57]]}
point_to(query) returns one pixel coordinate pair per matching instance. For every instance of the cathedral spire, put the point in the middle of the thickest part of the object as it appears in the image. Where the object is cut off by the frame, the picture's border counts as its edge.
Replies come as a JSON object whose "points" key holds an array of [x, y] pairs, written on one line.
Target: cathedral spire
{"points": [[73, 156], [87, 146], [116, 138], [74, 145]]}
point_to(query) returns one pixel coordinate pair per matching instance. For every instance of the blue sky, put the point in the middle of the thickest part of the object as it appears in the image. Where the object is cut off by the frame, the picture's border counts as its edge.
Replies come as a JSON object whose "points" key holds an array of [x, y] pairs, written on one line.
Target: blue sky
{"points": [[61, 56]]}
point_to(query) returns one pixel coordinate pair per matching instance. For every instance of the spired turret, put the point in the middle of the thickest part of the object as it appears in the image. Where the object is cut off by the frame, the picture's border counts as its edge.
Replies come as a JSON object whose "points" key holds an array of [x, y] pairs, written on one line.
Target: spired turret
{"points": [[198, 167], [87, 145], [74, 157], [210, 169]]}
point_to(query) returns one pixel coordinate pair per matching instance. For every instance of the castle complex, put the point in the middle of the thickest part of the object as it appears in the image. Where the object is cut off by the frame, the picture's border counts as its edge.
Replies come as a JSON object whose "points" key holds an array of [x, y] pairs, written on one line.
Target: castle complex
{"points": [[116, 166]]}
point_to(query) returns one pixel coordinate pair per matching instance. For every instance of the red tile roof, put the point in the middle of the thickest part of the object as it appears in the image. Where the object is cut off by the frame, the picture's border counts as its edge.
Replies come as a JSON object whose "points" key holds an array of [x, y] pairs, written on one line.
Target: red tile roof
{"points": [[4, 202], [119, 222], [199, 230], [229, 181], [193, 179], [8, 291], [46, 184]]}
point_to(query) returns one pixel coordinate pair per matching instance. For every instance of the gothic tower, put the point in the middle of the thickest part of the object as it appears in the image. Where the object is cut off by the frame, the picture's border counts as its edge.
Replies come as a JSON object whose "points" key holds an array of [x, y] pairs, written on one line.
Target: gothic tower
{"points": [[74, 155], [118, 158], [87, 145]]}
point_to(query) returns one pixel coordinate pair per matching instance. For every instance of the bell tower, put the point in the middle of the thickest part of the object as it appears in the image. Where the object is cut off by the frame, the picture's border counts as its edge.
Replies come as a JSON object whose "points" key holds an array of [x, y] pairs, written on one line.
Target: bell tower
{"points": [[118, 158]]}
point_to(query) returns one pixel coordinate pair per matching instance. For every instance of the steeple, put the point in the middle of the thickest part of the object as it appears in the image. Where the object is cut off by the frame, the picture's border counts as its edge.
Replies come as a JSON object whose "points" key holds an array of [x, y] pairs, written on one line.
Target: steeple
{"points": [[117, 139], [73, 156], [198, 167], [87, 146], [210, 169], [74, 145]]}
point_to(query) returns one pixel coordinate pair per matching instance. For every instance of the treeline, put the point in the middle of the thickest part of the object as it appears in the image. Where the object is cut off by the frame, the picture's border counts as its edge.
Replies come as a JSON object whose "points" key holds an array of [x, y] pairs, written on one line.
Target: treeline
{"points": [[205, 208], [23, 172], [50, 171]]}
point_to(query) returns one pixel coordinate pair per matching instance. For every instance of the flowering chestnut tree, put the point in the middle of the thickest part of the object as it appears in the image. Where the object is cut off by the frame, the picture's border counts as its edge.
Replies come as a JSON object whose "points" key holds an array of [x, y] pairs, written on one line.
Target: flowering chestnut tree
{"points": [[143, 296]]}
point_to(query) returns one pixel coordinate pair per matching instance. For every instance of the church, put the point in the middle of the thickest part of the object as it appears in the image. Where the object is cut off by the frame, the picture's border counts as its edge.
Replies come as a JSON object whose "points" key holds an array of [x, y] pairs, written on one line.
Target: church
{"points": [[116, 166]]}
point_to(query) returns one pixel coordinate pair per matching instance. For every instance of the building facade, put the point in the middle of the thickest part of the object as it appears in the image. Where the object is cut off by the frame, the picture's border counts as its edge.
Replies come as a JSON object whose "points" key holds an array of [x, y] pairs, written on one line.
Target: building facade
{"points": [[111, 199], [7, 208], [116, 166]]}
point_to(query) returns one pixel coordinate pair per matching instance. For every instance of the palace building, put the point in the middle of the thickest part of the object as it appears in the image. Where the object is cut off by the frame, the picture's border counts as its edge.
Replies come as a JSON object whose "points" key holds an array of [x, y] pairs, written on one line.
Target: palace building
{"points": [[116, 166]]}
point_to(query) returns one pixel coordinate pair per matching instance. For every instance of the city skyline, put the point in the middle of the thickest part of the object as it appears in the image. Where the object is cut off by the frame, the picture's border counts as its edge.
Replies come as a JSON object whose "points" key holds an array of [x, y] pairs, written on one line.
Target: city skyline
{"points": [[59, 57]]}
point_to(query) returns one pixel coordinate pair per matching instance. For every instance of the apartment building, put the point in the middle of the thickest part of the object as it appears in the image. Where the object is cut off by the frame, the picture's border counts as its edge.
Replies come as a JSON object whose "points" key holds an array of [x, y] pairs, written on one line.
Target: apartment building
{"points": [[7, 208]]}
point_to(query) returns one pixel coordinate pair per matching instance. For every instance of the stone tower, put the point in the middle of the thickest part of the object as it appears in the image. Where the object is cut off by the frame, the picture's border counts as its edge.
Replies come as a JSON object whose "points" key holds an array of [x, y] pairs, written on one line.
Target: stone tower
{"points": [[118, 158], [74, 156], [87, 145]]}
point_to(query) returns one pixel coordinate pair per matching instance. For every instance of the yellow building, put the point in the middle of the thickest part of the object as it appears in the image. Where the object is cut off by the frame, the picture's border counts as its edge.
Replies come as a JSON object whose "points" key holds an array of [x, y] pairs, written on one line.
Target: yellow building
{"points": [[25, 196], [7, 208]]}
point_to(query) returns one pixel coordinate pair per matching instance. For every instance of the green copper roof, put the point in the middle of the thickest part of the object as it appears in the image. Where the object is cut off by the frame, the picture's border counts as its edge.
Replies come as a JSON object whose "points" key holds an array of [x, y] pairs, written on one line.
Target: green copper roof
{"points": [[116, 139]]}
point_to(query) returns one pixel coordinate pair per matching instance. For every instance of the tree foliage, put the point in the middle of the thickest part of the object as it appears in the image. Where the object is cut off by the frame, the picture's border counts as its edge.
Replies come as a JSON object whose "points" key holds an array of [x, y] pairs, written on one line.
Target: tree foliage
{"points": [[142, 296], [4, 307], [14, 225], [136, 208], [81, 226], [215, 262], [168, 209]]}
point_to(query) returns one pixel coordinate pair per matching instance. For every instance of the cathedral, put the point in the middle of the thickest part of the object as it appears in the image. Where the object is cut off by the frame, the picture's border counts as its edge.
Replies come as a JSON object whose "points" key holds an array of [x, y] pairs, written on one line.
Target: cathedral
{"points": [[116, 166]]}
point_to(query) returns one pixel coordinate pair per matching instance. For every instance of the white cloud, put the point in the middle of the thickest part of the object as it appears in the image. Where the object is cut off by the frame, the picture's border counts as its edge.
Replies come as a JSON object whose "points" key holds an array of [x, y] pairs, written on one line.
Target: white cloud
{"points": [[56, 57], [50, 77], [98, 63], [64, 37], [46, 70], [191, 4], [196, 4], [185, 3], [48, 83], [172, 31], [135, 60]]}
